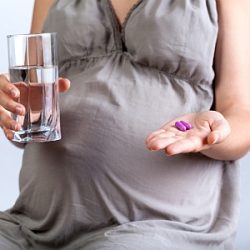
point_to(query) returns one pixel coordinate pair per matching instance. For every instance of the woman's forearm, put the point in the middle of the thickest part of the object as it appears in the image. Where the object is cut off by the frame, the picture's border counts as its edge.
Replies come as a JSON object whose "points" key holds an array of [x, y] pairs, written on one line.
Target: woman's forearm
{"points": [[41, 8], [232, 88]]}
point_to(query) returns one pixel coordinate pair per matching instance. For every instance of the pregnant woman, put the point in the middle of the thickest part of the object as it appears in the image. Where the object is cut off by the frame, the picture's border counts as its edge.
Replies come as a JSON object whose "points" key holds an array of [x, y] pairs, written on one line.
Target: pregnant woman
{"points": [[123, 176]]}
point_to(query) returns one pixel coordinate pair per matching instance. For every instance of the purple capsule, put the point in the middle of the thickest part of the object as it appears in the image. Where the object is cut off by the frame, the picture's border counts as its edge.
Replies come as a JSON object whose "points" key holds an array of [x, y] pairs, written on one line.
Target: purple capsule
{"points": [[180, 126], [187, 125]]}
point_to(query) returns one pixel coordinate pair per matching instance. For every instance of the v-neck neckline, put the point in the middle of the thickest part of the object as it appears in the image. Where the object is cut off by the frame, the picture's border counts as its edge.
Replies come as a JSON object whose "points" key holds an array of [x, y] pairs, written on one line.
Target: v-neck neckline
{"points": [[129, 12], [120, 27]]}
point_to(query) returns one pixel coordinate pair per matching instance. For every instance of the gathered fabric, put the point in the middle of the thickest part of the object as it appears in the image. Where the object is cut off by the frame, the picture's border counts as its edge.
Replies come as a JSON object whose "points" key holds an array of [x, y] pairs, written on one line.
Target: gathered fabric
{"points": [[99, 187]]}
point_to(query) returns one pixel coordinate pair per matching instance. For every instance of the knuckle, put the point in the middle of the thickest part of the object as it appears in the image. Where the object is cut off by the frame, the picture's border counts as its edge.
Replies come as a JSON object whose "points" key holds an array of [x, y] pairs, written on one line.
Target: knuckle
{"points": [[7, 87], [3, 81], [9, 124], [7, 103], [2, 77], [4, 116], [10, 106]]}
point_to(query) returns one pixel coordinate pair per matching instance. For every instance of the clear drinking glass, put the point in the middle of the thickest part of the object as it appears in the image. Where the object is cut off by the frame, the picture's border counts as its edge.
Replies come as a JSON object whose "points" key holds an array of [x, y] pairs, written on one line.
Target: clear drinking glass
{"points": [[33, 68]]}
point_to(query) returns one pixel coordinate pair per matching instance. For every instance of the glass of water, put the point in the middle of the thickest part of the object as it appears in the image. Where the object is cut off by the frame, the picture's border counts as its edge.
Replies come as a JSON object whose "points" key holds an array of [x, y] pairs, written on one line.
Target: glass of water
{"points": [[33, 68]]}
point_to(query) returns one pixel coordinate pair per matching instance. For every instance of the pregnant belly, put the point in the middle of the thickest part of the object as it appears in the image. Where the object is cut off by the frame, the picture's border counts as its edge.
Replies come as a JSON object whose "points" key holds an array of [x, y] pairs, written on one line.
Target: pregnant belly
{"points": [[102, 168]]}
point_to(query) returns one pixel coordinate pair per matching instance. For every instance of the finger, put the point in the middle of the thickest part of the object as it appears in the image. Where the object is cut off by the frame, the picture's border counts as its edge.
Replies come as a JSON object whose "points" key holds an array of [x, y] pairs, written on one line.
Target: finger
{"points": [[213, 138], [7, 76], [64, 84], [8, 133], [9, 104], [169, 125], [191, 144], [162, 143], [220, 130], [7, 122], [166, 134], [153, 134], [8, 88], [166, 128]]}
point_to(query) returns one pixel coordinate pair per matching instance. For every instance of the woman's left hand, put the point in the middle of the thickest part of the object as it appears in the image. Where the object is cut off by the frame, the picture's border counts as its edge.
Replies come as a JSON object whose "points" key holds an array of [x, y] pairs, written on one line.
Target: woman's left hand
{"points": [[208, 128]]}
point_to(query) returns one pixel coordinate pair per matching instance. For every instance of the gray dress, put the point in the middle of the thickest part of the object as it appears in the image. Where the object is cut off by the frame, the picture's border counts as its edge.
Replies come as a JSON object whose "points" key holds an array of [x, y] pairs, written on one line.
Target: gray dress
{"points": [[99, 187]]}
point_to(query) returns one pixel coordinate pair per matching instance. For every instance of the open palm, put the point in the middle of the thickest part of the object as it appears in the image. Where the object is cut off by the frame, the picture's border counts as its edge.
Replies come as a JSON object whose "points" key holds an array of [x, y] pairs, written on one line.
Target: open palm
{"points": [[209, 128]]}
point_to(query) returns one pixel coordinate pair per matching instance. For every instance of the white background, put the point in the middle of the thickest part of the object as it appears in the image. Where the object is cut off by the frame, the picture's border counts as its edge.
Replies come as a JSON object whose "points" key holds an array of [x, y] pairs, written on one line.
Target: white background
{"points": [[15, 19]]}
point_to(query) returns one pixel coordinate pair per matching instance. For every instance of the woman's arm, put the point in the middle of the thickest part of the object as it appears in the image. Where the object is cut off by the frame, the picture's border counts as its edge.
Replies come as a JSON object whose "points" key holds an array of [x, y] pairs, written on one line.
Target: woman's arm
{"points": [[41, 8], [222, 134], [9, 91], [232, 65]]}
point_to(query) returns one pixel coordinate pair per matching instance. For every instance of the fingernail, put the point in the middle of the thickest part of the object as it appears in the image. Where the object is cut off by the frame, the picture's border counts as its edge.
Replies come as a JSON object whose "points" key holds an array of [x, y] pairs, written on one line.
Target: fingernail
{"points": [[215, 140], [14, 93], [152, 148], [17, 127], [19, 110]]}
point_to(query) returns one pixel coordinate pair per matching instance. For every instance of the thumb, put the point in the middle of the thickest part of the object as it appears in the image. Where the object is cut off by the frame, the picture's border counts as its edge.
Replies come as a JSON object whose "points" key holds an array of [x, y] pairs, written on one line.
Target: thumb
{"points": [[220, 129], [64, 84]]}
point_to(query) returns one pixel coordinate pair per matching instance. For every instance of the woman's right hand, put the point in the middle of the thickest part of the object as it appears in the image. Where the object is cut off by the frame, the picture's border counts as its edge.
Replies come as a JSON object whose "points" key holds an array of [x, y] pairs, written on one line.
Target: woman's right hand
{"points": [[9, 95]]}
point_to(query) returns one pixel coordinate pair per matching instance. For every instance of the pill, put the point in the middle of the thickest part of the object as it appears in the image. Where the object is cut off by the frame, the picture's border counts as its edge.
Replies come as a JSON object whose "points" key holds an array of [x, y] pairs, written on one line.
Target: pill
{"points": [[180, 126], [187, 125]]}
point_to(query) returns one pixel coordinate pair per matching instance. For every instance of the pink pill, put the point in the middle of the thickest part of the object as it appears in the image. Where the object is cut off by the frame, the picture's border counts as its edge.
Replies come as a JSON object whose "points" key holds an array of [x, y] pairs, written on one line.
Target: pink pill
{"points": [[187, 125], [180, 126]]}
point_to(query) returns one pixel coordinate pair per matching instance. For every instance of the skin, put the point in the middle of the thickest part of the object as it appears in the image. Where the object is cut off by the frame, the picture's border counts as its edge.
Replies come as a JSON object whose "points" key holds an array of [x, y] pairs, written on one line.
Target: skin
{"points": [[221, 134], [9, 92], [121, 8]]}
